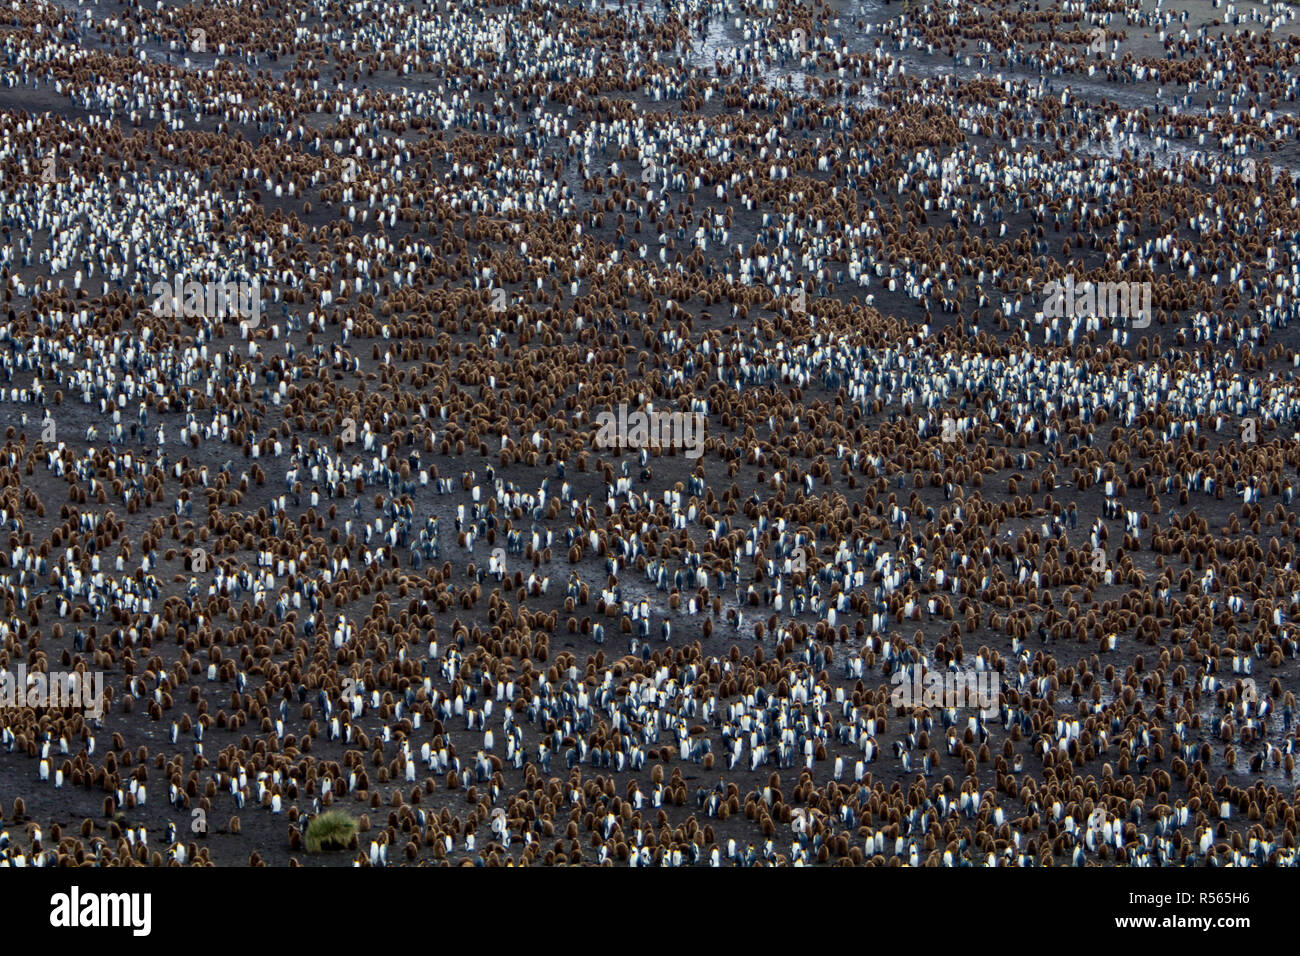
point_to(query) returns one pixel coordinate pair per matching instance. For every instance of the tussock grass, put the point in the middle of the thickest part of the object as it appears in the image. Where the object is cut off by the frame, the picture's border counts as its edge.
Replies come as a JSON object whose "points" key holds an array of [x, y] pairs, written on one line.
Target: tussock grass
{"points": [[332, 830]]}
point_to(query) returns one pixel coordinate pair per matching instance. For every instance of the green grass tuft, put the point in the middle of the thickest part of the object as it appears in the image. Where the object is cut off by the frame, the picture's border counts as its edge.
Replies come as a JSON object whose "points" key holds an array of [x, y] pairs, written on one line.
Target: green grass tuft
{"points": [[332, 830]]}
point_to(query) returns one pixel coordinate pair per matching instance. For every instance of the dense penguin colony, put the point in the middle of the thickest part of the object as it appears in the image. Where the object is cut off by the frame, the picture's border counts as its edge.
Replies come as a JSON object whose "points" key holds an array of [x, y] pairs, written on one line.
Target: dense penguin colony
{"points": [[649, 434]]}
